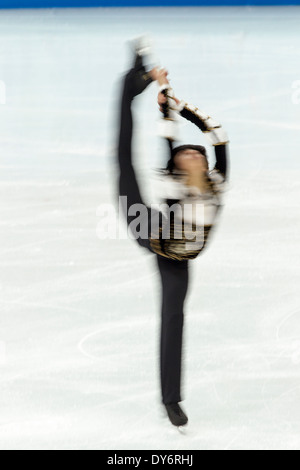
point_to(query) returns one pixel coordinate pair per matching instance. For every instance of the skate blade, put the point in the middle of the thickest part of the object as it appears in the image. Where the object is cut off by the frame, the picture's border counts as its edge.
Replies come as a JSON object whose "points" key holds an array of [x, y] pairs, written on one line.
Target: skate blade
{"points": [[182, 429]]}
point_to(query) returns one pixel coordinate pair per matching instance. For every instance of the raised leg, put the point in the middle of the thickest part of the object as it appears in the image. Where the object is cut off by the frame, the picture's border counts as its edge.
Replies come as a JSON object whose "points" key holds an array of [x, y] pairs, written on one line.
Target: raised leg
{"points": [[135, 81]]}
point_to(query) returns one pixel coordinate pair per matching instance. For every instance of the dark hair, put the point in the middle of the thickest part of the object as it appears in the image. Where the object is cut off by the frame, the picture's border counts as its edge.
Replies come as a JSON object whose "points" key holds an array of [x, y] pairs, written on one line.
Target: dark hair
{"points": [[171, 164]]}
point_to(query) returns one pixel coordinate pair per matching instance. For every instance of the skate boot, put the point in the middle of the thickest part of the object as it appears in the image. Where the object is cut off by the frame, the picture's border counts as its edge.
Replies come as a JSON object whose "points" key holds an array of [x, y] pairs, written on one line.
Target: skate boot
{"points": [[176, 415], [138, 77]]}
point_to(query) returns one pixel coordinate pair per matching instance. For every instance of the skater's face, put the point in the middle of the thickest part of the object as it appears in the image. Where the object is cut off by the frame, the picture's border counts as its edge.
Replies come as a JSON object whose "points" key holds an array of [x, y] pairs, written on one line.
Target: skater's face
{"points": [[191, 161]]}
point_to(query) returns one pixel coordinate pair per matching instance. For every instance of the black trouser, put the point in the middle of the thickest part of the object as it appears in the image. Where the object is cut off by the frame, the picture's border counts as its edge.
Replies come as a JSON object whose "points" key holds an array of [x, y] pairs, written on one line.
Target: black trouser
{"points": [[174, 279], [174, 274]]}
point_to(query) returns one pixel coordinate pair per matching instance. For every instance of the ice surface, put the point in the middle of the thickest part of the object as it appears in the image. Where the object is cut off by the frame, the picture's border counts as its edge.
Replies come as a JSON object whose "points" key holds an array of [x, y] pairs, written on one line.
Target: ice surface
{"points": [[80, 316]]}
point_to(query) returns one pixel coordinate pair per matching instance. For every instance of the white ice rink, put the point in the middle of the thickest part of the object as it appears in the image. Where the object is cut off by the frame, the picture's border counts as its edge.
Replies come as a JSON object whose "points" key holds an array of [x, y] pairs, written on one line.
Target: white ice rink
{"points": [[80, 316]]}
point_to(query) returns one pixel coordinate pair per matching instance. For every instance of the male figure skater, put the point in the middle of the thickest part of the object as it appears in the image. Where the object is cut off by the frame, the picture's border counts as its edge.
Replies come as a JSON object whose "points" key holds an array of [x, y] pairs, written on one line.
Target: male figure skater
{"points": [[190, 184]]}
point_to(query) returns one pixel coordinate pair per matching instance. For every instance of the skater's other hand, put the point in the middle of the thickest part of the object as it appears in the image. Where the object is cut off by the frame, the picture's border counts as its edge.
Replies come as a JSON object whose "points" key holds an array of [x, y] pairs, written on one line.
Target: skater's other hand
{"points": [[163, 77], [154, 73], [160, 75], [162, 100]]}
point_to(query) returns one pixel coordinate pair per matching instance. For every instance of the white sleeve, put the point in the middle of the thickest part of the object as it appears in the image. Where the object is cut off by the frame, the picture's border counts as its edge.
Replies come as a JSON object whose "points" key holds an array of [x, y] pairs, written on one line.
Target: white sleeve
{"points": [[218, 180], [168, 125]]}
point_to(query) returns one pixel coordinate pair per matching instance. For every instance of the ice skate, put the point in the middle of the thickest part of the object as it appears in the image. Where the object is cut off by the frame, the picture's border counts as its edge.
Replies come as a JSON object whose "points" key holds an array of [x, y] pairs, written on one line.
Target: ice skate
{"points": [[176, 415]]}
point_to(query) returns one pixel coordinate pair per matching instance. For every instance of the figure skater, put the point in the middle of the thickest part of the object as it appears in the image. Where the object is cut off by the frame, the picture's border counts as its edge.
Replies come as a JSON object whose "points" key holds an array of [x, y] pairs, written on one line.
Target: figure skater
{"points": [[178, 236]]}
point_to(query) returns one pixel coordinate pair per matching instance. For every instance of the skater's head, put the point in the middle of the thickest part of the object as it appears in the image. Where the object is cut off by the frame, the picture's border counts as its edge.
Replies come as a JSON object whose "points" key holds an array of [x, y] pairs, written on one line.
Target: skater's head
{"points": [[189, 159]]}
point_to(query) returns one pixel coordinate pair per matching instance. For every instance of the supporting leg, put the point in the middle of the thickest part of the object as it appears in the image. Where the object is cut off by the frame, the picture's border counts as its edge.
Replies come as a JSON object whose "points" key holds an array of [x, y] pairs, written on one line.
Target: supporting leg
{"points": [[174, 276]]}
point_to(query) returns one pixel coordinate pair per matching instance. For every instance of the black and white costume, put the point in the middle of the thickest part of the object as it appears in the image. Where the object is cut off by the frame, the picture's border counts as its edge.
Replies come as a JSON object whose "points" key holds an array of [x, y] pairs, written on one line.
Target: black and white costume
{"points": [[172, 255], [194, 213]]}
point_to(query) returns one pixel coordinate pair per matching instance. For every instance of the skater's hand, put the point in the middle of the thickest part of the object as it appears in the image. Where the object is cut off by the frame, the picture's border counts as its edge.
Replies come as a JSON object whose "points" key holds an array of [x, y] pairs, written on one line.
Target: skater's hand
{"points": [[162, 100], [154, 73], [160, 75]]}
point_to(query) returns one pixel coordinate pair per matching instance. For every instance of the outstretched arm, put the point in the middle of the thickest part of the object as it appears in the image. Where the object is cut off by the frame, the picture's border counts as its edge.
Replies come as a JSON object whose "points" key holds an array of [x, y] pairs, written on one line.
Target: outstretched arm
{"points": [[214, 133]]}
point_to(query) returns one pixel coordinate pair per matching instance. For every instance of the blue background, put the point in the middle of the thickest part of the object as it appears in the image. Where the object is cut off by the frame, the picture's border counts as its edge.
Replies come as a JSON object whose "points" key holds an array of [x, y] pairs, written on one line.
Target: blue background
{"points": [[120, 3]]}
